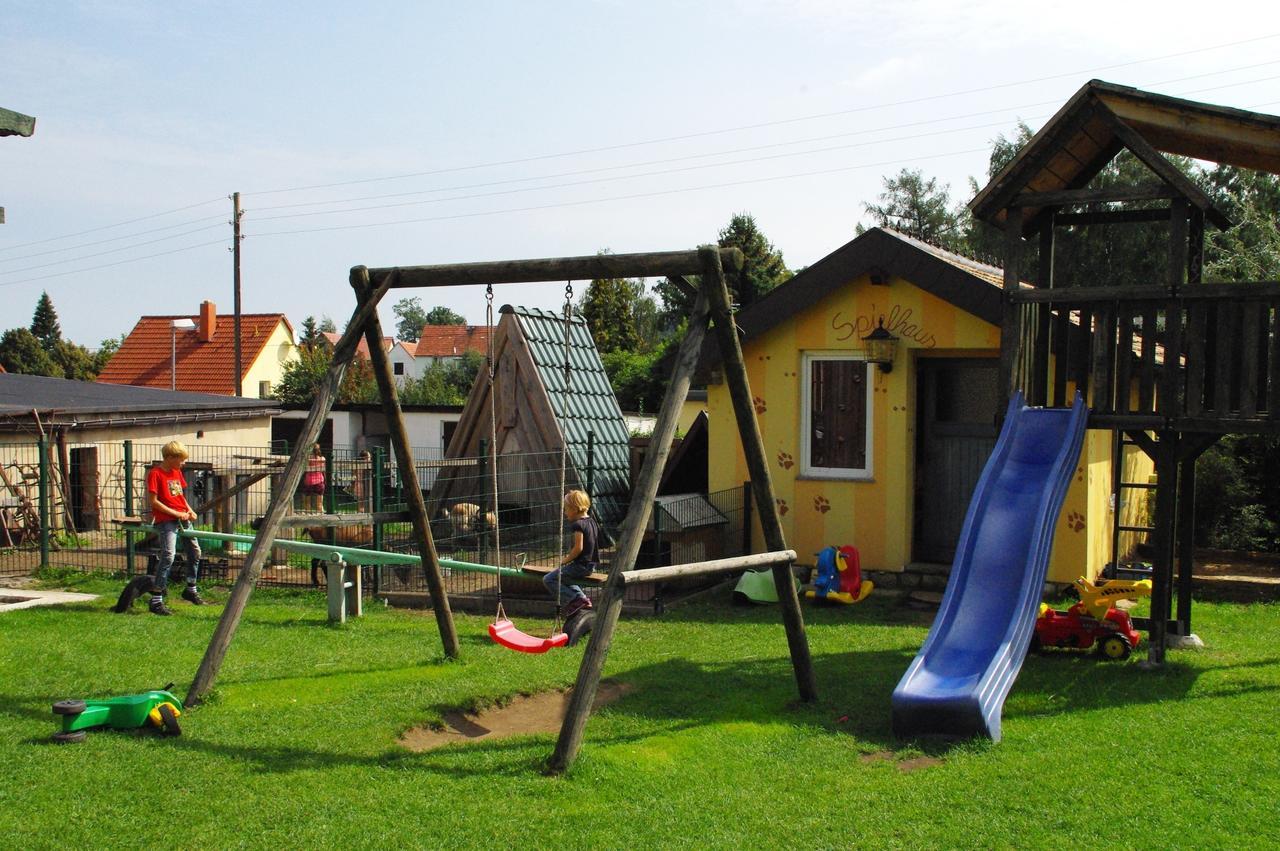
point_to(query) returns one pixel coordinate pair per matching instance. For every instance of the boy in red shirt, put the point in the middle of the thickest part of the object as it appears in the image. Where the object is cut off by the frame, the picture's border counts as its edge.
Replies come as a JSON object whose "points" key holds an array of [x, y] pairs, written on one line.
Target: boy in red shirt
{"points": [[169, 512]]}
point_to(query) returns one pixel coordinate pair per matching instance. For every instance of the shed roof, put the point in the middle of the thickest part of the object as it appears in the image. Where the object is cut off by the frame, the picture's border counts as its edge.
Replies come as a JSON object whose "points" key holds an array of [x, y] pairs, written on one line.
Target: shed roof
{"points": [[58, 401], [586, 403], [204, 367], [1101, 118]]}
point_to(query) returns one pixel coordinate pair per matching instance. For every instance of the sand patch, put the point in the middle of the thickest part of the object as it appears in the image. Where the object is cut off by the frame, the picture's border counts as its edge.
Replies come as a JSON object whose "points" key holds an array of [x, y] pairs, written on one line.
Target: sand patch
{"points": [[524, 716]]}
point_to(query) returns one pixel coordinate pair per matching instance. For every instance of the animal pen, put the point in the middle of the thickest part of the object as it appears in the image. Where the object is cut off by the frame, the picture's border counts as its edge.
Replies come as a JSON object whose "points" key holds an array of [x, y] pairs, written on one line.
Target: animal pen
{"points": [[712, 306]]}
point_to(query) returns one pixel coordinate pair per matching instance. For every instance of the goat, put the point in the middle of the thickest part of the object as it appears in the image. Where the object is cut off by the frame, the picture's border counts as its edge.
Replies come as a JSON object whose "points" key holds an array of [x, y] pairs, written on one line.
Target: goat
{"points": [[465, 519]]}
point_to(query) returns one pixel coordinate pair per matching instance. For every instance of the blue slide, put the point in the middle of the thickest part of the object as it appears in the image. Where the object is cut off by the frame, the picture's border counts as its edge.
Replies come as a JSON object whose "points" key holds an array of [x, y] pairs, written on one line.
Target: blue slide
{"points": [[957, 684]]}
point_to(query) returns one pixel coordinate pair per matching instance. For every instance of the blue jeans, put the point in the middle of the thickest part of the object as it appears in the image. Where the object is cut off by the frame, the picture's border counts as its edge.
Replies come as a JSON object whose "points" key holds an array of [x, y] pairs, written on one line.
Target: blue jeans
{"points": [[167, 538], [562, 579]]}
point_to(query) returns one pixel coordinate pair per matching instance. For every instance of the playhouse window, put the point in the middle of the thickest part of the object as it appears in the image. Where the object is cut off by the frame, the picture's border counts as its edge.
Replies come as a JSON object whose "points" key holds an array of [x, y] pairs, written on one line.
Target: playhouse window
{"points": [[836, 436]]}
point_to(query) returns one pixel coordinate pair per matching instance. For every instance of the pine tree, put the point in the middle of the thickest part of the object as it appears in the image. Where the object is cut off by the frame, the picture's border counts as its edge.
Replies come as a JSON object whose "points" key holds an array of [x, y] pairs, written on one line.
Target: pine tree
{"points": [[44, 324]]}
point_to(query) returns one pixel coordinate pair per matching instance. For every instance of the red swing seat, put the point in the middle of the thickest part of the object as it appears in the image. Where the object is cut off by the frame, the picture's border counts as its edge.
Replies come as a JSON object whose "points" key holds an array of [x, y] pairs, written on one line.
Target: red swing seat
{"points": [[504, 632]]}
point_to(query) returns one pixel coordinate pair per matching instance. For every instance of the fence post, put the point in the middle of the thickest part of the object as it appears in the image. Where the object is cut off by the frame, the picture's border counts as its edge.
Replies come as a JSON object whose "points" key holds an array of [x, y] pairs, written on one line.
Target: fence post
{"points": [[746, 517], [43, 444], [591, 464], [656, 514], [326, 499], [484, 499], [128, 506], [379, 470]]}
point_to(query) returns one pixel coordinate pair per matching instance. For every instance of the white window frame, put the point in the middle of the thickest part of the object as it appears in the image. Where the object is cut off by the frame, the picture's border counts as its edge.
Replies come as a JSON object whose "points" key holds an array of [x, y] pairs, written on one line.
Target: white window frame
{"points": [[807, 470]]}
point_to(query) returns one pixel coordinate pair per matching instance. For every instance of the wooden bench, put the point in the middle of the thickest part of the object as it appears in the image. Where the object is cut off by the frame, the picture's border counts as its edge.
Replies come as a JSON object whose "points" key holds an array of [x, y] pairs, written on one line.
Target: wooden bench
{"points": [[540, 570]]}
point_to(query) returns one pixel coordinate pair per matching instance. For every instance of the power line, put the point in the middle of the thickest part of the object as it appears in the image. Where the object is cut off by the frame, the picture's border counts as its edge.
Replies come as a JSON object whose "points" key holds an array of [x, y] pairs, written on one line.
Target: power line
{"points": [[731, 151], [108, 227], [654, 194], [109, 265], [763, 124], [99, 253]]}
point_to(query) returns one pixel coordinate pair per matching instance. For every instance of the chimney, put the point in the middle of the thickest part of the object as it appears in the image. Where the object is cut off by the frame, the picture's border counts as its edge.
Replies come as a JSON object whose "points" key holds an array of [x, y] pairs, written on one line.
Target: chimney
{"points": [[208, 321]]}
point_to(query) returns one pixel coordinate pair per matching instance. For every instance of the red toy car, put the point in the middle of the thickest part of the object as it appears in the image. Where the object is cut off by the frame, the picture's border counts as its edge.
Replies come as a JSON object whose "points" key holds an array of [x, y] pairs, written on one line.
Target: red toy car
{"points": [[1093, 619]]}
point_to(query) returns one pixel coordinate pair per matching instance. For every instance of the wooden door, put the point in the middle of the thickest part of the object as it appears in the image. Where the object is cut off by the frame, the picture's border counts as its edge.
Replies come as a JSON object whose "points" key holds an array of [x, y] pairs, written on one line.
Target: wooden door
{"points": [[955, 433]]}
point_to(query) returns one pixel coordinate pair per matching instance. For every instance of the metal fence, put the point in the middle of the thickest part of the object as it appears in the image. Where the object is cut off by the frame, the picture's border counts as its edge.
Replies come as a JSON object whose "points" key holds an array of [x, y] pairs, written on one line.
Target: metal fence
{"points": [[59, 501]]}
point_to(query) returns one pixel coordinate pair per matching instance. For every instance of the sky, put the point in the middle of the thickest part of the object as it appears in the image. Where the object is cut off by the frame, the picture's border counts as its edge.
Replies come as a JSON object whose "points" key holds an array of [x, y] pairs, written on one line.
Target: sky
{"points": [[415, 133]]}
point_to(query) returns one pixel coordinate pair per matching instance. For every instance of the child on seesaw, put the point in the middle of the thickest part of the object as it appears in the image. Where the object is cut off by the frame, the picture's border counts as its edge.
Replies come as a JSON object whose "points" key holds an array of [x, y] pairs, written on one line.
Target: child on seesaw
{"points": [[581, 560]]}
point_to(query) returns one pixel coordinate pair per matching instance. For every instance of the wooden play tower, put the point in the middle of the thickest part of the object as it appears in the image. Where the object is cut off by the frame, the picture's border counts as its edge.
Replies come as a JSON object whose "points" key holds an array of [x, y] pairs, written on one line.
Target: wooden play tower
{"points": [[1170, 365]]}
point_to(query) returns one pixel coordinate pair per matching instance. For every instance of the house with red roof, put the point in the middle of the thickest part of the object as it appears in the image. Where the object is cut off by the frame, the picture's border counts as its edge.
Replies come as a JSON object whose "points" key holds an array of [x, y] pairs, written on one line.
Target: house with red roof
{"points": [[197, 353], [445, 342]]}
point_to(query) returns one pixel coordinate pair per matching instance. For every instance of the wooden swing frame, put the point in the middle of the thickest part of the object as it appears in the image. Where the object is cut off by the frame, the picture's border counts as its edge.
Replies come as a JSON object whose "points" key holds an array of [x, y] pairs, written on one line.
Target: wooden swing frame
{"points": [[712, 306]]}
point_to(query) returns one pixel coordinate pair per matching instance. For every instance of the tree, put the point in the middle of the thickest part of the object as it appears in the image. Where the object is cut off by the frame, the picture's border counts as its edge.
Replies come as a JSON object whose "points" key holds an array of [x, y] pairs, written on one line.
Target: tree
{"points": [[74, 361], [106, 350], [410, 317], [1250, 249], [301, 378], [441, 315], [311, 336], [22, 354], [920, 208], [326, 325], [445, 382], [608, 306], [762, 268], [44, 324]]}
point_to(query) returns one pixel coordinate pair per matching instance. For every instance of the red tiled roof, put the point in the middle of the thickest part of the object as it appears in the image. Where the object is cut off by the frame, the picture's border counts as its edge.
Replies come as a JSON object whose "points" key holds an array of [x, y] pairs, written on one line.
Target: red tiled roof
{"points": [[203, 367], [362, 348], [444, 341]]}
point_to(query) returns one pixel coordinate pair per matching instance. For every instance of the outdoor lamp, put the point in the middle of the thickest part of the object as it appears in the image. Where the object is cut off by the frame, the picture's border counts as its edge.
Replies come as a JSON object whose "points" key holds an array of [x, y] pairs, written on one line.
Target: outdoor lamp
{"points": [[186, 325], [880, 347]]}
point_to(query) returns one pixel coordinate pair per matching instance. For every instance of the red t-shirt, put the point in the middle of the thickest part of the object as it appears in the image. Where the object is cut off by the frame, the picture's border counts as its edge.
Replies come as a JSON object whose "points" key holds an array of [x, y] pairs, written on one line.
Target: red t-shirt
{"points": [[167, 486]]}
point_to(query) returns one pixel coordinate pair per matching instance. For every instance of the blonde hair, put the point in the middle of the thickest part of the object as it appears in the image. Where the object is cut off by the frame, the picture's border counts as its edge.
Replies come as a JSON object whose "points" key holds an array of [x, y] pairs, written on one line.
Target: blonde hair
{"points": [[174, 449], [578, 501]]}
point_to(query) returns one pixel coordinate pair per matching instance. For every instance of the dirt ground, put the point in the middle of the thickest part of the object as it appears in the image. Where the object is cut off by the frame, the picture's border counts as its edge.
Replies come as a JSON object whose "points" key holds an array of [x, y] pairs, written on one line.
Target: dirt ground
{"points": [[1236, 577], [538, 713]]}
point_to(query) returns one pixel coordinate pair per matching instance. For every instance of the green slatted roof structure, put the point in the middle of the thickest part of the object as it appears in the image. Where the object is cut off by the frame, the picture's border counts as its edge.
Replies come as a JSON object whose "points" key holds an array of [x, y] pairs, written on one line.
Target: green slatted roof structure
{"points": [[533, 409], [589, 405]]}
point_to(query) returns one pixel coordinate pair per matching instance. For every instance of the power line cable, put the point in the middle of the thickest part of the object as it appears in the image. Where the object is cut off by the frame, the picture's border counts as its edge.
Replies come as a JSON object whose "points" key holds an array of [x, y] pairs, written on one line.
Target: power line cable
{"points": [[763, 124], [108, 227], [221, 242], [109, 251], [117, 239]]}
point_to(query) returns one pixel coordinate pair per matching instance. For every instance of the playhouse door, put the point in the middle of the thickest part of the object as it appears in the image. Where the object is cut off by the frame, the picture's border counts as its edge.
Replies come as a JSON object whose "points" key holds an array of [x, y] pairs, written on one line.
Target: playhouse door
{"points": [[955, 432]]}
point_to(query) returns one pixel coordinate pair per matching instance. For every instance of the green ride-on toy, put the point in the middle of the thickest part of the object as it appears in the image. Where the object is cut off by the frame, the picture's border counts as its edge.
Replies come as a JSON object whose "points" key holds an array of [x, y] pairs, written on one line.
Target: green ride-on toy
{"points": [[158, 708]]}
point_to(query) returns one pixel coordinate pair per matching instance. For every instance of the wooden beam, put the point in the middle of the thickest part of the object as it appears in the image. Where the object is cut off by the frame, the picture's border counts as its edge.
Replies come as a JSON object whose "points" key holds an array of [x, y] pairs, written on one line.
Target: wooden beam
{"points": [[1010, 339], [282, 500], [629, 539], [735, 373], [406, 470], [703, 568], [1165, 170], [653, 264], [1112, 217], [1072, 197]]}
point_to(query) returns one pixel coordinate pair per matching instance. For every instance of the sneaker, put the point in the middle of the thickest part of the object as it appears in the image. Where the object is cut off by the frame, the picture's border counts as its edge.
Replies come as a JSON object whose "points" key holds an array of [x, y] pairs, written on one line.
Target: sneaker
{"points": [[160, 609], [192, 596], [577, 604]]}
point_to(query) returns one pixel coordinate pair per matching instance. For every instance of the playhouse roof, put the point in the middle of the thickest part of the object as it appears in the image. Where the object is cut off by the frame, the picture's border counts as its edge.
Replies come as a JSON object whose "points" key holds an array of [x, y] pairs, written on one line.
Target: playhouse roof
{"points": [[588, 404], [1102, 118], [969, 284]]}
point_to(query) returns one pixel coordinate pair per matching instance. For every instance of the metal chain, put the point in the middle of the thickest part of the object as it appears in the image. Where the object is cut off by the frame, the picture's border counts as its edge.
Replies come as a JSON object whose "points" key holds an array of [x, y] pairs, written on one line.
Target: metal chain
{"points": [[564, 434], [493, 450]]}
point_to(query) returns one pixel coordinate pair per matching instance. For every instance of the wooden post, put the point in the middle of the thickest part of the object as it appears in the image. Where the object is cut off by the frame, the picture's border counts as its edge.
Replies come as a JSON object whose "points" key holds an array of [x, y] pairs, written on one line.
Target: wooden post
{"points": [[629, 540], [735, 372], [1162, 562], [1010, 339], [281, 500], [408, 473], [236, 238]]}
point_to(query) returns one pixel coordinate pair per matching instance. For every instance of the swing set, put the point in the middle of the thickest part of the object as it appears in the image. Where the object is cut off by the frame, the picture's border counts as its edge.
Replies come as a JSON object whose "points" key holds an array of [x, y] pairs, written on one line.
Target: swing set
{"points": [[711, 309]]}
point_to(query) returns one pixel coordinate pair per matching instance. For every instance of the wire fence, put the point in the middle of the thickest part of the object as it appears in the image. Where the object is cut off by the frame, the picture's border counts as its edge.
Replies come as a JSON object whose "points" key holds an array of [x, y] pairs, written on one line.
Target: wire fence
{"points": [[59, 501]]}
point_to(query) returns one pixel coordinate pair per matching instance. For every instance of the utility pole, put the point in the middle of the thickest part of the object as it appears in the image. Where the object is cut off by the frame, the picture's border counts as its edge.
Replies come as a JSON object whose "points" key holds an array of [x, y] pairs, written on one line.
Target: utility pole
{"points": [[235, 264]]}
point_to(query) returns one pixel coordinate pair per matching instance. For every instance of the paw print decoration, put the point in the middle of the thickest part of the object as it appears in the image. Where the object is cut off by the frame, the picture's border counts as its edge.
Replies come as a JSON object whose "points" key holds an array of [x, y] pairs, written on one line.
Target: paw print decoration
{"points": [[785, 461], [1075, 521], [821, 504], [759, 404], [783, 508]]}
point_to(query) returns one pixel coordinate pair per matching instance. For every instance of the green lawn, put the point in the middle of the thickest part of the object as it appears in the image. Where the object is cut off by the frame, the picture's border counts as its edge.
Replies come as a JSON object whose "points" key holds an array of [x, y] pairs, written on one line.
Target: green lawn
{"points": [[298, 748]]}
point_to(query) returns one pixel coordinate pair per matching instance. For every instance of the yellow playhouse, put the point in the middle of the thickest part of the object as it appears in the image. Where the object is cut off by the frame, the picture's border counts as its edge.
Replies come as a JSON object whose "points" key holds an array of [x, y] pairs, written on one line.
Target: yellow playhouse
{"points": [[874, 373]]}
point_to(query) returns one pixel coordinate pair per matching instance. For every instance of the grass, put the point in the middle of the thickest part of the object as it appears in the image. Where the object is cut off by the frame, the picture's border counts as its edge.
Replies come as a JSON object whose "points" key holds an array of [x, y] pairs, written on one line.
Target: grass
{"points": [[297, 747]]}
